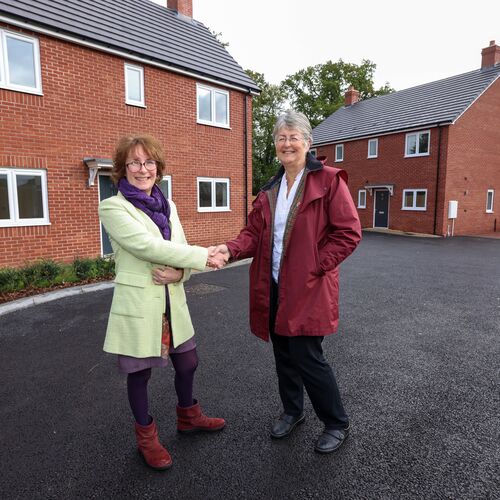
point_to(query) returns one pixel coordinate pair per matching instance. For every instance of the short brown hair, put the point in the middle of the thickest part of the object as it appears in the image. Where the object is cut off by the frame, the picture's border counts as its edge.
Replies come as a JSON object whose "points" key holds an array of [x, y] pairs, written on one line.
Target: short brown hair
{"points": [[128, 142]]}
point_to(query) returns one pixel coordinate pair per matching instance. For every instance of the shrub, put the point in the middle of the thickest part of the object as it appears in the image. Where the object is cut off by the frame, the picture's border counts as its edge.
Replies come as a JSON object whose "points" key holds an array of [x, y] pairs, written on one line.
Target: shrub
{"points": [[85, 269], [105, 267], [11, 280]]}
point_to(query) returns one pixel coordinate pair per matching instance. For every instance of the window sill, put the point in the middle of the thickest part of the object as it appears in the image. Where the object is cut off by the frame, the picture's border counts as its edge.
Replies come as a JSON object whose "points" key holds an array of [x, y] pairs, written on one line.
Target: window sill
{"points": [[23, 223], [22, 90], [135, 104], [213, 124], [417, 155], [413, 209], [211, 209]]}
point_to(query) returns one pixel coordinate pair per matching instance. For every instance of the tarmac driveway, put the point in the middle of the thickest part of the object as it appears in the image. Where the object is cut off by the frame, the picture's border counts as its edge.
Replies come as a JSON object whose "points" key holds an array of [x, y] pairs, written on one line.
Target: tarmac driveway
{"points": [[417, 360]]}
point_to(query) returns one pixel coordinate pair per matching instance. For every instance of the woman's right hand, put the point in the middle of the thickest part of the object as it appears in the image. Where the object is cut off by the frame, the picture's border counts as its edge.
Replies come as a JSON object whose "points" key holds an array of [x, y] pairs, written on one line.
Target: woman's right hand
{"points": [[166, 275]]}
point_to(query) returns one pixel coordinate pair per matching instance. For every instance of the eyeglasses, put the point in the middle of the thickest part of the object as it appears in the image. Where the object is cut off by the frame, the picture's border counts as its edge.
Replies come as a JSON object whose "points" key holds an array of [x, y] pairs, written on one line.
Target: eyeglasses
{"points": [[294, 139], [136, 165]]}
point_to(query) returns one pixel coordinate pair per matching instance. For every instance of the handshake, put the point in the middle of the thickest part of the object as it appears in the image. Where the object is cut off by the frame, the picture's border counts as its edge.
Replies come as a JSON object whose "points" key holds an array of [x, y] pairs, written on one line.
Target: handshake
{"points": [[218, 256]]}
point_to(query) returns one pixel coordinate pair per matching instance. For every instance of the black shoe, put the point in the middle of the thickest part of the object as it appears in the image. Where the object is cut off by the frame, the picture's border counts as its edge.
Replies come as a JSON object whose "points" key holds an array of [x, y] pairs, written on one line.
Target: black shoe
{"points": [[285, 425], [331, 440]]}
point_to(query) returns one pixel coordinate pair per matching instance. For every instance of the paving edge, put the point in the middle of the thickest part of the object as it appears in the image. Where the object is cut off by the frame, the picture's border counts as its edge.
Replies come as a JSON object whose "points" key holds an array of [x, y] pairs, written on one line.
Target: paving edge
{"points": [[34, 300]]}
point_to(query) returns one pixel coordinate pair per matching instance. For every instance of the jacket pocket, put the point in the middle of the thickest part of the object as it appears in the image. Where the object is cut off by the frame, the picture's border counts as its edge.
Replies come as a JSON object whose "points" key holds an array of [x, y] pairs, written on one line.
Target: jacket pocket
{"points": [[129, 297]]}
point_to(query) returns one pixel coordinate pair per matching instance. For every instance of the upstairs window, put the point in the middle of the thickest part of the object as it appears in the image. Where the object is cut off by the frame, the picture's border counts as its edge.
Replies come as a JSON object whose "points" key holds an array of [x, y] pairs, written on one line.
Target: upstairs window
{"points": [[212, 106], [339, 152], [415, 199], [134, 85], [489, 200], [23, 197], [20, 63], [213, 195], [373, 148], [418, 144]]}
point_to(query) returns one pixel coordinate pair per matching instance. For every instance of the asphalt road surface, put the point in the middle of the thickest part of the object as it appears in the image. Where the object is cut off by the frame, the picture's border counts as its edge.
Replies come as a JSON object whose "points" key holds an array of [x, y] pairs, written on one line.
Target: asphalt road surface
{"points": [[416, 358]]}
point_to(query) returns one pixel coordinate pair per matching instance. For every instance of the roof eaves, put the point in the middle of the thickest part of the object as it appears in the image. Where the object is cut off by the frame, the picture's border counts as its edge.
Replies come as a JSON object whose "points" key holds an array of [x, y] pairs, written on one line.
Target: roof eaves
{"points": [[88, 42], [351, 138]]}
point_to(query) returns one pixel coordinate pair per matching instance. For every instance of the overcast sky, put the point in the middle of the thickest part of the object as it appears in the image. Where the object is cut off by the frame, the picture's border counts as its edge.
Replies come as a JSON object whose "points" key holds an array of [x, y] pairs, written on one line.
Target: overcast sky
{"points": [[410, 42]]}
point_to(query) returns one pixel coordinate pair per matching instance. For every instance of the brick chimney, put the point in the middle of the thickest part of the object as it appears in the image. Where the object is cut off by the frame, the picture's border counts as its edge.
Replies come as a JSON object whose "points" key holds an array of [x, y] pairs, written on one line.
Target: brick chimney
{"points": [[490, 55], [351, 96], [183, 7]]}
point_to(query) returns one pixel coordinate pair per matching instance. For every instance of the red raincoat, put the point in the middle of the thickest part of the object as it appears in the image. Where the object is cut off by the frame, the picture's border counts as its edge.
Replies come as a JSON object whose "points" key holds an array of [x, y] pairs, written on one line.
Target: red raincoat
{"points": [[326, 231]]}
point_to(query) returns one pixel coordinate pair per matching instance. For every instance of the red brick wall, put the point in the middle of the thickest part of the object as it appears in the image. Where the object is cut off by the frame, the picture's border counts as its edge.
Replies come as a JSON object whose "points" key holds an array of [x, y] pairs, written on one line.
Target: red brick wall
{"points": [[474, 165], [82, 114], [469, 165], [391, 167]]}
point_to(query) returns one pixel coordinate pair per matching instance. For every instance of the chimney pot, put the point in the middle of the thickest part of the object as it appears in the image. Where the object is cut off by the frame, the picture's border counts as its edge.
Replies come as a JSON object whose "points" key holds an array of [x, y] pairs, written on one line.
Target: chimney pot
{"points": [[490, 55], [183, 7], [351, 96]]}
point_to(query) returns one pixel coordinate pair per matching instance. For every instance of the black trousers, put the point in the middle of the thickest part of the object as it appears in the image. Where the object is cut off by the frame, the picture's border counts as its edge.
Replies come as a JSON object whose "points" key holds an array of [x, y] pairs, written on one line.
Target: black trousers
{"points": [[300, 363]]}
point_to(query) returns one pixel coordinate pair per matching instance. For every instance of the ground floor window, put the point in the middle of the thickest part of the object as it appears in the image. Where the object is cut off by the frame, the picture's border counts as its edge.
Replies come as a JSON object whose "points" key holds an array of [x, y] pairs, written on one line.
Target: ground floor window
{"points": [[213, 194], [166, 186], [489, 200], [362, 198], [415, 199], [23, 197]]}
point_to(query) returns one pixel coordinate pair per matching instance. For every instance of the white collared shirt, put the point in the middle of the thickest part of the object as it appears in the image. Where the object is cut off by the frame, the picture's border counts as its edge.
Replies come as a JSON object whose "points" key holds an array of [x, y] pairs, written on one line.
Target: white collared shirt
{"points": [[283, 204]]}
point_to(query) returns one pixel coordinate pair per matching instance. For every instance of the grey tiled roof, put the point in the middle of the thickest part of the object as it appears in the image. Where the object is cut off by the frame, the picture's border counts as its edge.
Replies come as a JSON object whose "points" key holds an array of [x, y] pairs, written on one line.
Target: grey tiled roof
{"points": [[438, 102], [137, 27]]}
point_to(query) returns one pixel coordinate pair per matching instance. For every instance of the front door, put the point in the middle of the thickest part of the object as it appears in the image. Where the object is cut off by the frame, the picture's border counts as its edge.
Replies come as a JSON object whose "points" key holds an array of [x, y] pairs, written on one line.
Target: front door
{"points": [[381, 218], [106, 189]]}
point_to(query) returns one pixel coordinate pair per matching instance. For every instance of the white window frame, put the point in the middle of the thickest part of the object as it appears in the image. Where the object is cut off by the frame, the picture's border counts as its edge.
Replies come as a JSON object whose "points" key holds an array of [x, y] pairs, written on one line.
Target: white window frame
{"points": [[360, 193], [414, 207], [372, 141], [417, 153], [4, 67], [339, 158], [168, 178], [314, 152], [214, 181], [132, 102], [14, 220], [489, 206], [213, 91]]}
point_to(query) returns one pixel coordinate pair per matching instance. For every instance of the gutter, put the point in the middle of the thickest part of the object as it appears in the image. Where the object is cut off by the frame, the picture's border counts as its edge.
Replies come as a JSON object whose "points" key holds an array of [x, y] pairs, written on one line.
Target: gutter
{"points": [[389, 132]]}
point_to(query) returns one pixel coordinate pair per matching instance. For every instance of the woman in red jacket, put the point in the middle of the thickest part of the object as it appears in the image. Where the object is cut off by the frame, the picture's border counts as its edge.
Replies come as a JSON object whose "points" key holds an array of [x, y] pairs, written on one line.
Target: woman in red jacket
{"points": [[302, 226]]}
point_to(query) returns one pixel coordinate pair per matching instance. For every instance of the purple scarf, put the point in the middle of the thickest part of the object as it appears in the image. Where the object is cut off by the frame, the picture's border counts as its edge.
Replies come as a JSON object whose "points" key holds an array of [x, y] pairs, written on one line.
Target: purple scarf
{"points": [[156, 206]]}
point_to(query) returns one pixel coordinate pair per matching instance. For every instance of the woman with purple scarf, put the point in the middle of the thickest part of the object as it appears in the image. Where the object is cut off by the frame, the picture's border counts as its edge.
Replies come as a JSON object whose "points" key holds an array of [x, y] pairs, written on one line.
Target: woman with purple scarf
{"points": [[149, 319]]}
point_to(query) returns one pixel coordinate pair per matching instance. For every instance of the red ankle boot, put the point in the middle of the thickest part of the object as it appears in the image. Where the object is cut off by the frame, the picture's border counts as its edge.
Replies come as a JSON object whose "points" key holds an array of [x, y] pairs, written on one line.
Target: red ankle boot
{"points": [[191, 419], [154, 454]]}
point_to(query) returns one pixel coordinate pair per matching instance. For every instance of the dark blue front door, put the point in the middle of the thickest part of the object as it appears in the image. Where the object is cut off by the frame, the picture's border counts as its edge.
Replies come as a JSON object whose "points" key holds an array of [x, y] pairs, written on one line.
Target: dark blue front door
{"points": [[106, 189], [381, 209]]}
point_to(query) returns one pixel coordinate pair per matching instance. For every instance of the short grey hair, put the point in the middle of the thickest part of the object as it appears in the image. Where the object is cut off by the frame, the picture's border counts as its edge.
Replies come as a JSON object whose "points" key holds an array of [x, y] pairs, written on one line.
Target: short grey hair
{"points": [[296, 120]]}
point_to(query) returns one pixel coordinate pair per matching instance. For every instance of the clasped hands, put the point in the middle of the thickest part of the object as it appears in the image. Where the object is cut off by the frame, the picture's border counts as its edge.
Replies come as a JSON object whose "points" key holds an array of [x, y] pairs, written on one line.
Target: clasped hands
{"points": [[218, 256], [217, 259]]}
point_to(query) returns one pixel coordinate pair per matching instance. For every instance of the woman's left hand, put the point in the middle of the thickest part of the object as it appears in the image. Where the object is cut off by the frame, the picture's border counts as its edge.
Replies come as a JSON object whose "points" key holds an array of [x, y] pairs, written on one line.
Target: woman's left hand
{"points": [[166, 275]]}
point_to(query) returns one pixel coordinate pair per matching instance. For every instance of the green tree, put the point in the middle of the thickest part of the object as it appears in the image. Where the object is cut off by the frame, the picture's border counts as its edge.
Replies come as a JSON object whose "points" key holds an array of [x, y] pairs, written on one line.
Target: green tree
{"points": [[265, 108], [318, 91]]}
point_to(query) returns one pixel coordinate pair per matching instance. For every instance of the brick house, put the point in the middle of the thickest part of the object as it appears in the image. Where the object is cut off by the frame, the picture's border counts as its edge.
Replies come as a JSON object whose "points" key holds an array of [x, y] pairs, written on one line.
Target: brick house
{"points": [[77, 75], [425, 159]]}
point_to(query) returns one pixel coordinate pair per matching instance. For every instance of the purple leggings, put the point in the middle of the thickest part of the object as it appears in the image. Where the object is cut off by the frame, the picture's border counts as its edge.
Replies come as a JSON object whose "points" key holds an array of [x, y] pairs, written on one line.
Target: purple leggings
{"points": [[185, 364]]}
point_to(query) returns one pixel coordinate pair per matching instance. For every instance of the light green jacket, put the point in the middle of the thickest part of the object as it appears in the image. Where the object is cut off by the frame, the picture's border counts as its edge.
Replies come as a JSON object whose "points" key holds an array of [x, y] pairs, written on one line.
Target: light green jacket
{"points": [[135, 319]]}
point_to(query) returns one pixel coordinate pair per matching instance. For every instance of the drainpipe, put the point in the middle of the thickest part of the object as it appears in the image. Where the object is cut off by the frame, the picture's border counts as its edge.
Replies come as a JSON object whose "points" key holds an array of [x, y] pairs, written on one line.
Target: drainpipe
{"points": [[437, 178], [245, 152]]}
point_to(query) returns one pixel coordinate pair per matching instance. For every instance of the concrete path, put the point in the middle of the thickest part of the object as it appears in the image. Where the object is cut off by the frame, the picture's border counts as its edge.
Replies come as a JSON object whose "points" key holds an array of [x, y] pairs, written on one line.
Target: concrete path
{"points": [[416, 358]]}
